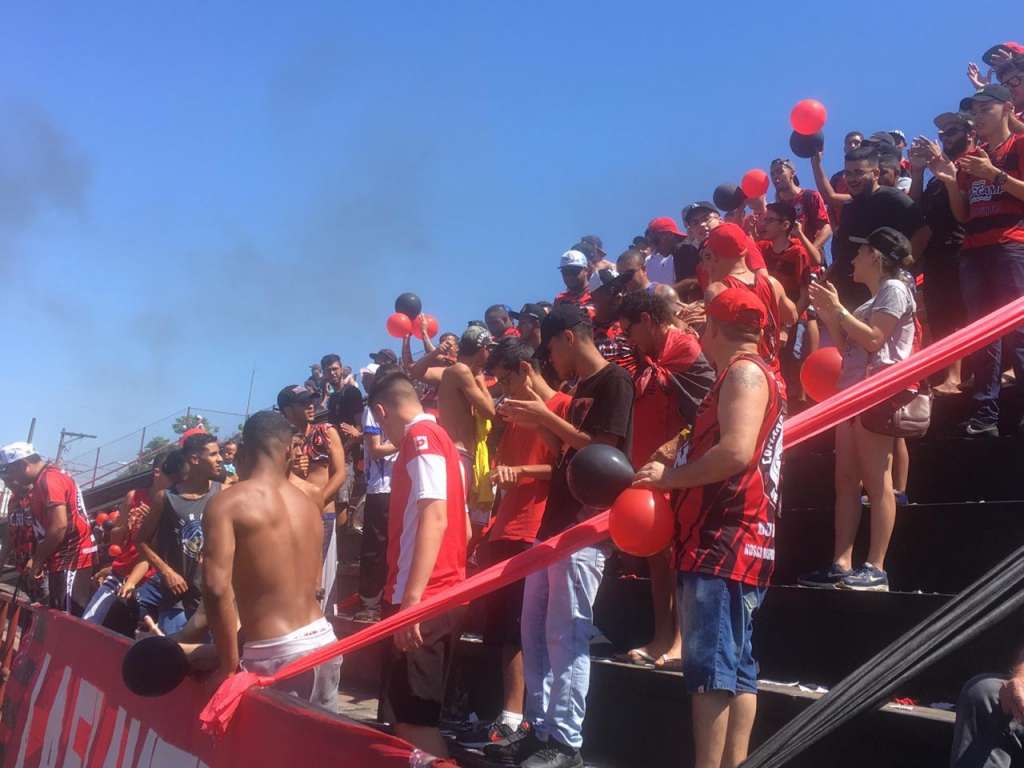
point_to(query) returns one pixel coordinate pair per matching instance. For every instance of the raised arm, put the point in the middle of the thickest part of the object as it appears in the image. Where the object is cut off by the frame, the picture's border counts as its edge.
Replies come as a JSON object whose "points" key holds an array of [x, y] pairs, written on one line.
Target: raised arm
{"points": [[821, 180]]}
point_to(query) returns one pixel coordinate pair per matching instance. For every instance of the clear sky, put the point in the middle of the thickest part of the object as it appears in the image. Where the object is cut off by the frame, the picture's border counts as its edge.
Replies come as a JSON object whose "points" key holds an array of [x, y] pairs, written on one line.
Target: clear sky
{"points": [[187, 192]]}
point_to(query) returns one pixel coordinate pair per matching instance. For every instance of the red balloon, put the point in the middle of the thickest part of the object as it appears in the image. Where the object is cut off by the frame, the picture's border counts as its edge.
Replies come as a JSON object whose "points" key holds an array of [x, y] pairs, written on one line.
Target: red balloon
{"points": [[432, 326], [113, 515], [754, 183], [808, 116], [819, 374], [114, 550], [101, 518], [641, 522], [399, 325]]}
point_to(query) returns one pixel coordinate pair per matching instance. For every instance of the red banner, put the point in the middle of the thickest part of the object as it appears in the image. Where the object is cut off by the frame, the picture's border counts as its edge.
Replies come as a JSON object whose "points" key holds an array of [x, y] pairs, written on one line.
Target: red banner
{"points": [[67, 706]]}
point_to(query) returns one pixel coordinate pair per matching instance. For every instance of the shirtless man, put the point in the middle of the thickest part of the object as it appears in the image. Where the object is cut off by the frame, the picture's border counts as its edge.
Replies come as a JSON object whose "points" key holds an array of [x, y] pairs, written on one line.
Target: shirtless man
{"points": [[260, 567], [462, 396]]}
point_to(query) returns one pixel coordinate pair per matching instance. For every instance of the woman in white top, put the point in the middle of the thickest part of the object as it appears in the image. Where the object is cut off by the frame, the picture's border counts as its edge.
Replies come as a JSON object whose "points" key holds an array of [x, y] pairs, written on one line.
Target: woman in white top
{"points": [[879, 333]]}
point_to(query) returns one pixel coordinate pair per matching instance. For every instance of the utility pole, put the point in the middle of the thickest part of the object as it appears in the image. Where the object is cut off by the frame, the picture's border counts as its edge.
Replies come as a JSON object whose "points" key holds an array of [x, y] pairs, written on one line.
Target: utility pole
{"points": [[248, 402], [66, 439], [31, 430]]}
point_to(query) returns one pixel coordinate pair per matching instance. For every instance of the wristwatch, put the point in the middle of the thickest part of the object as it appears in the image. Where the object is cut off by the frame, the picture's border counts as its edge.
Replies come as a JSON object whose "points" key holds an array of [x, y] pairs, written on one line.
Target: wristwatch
{"points": [[843, 313], [1001, 178]]}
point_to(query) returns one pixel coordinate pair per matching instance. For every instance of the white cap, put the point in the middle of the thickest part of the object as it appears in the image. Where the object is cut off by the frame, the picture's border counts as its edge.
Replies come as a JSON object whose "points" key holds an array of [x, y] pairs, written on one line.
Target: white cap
{"points": [[13, 452], [371, 369], [572, 259]]}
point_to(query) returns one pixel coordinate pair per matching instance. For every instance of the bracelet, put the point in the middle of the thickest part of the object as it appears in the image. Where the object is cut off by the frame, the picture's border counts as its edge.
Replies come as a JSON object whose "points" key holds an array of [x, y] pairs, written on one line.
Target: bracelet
{"points": [[843, 313], [1001, 178]]}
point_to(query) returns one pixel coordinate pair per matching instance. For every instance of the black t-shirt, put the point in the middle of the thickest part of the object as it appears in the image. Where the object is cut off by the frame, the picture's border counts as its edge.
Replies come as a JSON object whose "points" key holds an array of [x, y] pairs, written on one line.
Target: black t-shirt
{"points": [[947, 233], [886, 207], [345, 406], [685, 259], [602, 404]]}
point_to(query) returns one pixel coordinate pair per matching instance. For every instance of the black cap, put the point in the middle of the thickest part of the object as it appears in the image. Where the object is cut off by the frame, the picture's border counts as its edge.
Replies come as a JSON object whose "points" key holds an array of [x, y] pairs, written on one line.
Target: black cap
{"points": [[881, 138], [891, 243], [948, 118], [293, 394], [563, 317], [384, 356], [533, 312], [1014, 49], [700, 205], [612, 283], [591, 246], [991, 92]]}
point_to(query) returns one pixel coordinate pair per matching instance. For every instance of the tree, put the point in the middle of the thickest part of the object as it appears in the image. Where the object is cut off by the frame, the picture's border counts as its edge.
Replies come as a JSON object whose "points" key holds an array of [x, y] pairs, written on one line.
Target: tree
{"points": [[191, 421], [145, 462]]}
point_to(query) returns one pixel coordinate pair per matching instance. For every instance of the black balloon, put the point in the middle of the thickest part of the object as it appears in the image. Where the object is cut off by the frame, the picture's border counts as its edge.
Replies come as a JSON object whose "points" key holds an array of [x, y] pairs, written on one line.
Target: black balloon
{"points": [[806, 146], [598, 474], [409, 304], [728, 197], [154, 666]]}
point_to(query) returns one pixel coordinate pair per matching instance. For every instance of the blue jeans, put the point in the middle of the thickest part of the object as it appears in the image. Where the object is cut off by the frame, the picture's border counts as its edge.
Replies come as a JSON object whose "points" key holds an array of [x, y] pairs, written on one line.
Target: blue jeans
{"points": [[991, 277], [102, 599], [716, 617], [155, 599], [557, 627]]}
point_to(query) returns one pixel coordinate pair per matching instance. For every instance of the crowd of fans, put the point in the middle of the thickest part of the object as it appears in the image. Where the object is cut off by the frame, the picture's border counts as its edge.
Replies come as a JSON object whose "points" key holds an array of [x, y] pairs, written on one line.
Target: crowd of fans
{"points": [[684, 352]]}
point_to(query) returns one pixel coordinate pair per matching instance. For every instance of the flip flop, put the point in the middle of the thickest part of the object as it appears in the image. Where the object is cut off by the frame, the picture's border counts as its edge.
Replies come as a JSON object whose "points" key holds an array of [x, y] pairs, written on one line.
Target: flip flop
{"points": [[666, 664], [636, 656]]}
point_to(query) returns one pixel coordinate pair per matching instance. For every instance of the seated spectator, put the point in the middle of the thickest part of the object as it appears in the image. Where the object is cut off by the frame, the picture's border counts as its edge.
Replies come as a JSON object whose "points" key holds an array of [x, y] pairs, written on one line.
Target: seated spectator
{"points": [[808, 205], [877, 334], [575, 270]]}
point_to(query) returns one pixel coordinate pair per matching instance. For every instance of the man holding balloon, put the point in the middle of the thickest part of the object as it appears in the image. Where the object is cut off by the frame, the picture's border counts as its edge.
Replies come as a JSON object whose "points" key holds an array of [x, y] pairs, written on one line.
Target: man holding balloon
{"points": [[728, 478]]}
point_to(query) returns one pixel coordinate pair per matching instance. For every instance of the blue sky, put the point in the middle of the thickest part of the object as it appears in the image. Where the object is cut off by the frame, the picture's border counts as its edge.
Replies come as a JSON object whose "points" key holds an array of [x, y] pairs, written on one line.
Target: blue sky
{"points": [[187, 192]]}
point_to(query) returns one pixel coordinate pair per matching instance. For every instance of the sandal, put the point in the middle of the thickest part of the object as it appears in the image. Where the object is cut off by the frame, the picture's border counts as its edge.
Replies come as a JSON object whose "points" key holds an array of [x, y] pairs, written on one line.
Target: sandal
{"points": [[669, 664], [637, 656]]}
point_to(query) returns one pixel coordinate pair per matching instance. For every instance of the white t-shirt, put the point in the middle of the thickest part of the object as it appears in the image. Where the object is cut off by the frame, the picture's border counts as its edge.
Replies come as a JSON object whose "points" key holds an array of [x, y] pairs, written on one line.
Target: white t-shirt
{"points": [[893, 298], [661, 269], [378, 471]]}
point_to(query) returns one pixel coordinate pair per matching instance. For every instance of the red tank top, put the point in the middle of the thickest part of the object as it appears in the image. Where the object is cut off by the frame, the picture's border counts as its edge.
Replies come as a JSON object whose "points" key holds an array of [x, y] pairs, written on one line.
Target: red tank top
{"points": [[770, 345], [727, 529]]}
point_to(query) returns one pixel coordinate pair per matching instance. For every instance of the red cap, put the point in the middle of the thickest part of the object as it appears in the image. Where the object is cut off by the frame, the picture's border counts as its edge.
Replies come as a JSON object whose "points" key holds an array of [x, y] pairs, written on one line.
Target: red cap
{"points": [[728, 241], [664, 224], [200, 430], [738, 306]]}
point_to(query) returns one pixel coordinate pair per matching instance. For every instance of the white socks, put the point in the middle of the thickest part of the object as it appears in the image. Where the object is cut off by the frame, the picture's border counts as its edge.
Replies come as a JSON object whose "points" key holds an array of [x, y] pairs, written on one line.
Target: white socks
{"points": [[511, 719]]}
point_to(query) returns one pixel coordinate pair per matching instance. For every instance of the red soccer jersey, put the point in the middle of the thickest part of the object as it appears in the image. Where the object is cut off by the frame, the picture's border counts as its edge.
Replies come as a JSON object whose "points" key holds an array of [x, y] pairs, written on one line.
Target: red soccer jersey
{"points": [[792, 267], [122, 564], [770, 343], [521, 508], [78, 549], [581, 300], [22, 531], [727, 529], [996, 216], [613, 346], [427, 467], [811, 212]]}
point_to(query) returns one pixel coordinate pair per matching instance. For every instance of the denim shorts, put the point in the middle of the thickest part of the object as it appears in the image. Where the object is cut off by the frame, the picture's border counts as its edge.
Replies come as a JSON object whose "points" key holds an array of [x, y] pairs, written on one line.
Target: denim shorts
{"points": [[716, 619]]}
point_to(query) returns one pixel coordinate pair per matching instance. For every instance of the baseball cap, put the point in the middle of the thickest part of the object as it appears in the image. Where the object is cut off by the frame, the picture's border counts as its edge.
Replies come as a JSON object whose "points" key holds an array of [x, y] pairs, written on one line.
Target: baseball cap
{"points": [[293, 394], [946, 119], [1015, 64], [880, 138], [572, 260], [991, 92], [1010, 47], [13, 452], [728, 241], [563, 317], [614, 283], [700, 205], [533, 312], [475, 338], [738, 306], [664, 224], [592, 243], [891, 243], [384, 356], [371, 369]]}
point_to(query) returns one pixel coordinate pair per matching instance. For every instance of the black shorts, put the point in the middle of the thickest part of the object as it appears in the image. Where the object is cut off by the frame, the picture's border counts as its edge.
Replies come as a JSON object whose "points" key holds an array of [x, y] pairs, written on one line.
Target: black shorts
{"points": [[414, 682], [503, 608], [70, 590]]}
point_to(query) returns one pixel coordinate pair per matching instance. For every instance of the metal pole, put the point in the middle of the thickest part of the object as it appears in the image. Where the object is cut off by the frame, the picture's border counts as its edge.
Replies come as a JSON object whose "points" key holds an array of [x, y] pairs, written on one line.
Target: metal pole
{"points": [[95, 468], [142, 442], [248, 402], [31, 430], [60, 447]]}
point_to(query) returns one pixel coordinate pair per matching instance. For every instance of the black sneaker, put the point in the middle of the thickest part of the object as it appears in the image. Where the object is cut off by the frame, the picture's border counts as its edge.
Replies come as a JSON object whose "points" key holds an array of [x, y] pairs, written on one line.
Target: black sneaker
{"points": [[554, 755], [978, 428], [824, 578], [516, 747], [867, 578], [484, 734]]}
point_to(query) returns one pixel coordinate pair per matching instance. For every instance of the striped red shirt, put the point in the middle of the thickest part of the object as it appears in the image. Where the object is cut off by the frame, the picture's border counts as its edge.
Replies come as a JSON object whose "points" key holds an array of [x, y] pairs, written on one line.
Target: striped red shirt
{"points": [[727, 529], [78, 549]]}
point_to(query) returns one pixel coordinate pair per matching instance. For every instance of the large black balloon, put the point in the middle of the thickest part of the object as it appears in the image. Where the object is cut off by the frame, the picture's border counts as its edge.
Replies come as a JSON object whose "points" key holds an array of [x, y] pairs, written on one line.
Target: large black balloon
{"points": [[409, 304], [598, 474], [154, 666], [806, 146], [728, 197]]}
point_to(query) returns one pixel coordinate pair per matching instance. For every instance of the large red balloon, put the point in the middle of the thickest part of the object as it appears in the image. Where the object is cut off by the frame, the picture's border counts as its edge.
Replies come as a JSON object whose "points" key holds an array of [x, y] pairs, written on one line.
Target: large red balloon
{"points": [[754, 183], [432, 326], [113, 515], [808, 116], [114, 550], [399, 325], [820, 373], [641, 522], [101, 518]]}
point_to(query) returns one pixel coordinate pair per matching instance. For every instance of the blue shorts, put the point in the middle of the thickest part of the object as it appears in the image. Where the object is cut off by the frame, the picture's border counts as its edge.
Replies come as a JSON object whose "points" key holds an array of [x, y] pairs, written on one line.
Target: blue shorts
{"points": [[716, 619]]}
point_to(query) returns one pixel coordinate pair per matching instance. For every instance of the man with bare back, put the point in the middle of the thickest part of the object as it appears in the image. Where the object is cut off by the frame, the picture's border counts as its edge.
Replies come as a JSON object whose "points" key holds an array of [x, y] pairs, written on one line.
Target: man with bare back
{"points": [[261, 567]]}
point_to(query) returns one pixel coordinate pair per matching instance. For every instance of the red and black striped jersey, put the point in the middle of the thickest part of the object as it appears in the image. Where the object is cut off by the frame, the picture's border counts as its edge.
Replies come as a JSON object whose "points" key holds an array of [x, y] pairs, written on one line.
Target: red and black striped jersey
{"points": [[612, 344], [77, 550], [727, 529]]}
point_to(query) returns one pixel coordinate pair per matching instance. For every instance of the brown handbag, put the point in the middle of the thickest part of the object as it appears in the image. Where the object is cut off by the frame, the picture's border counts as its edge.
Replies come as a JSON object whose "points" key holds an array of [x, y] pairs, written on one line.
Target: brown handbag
{"points": [[906, 414]]}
